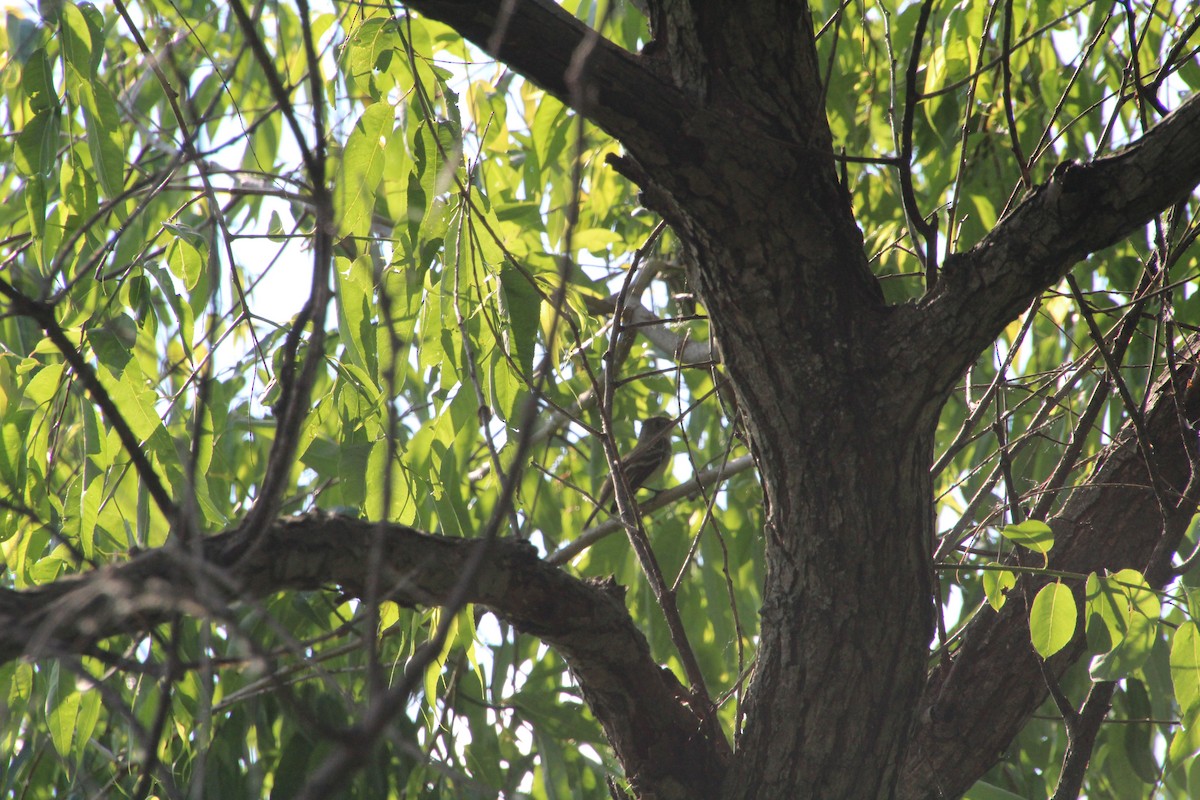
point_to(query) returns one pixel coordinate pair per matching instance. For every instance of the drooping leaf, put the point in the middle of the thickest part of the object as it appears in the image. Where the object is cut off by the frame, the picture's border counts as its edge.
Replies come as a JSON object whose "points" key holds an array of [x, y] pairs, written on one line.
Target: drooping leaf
{"points": [[1185, 666], [1032, 534], [996, 583], [363, 162], [1052, 619]]}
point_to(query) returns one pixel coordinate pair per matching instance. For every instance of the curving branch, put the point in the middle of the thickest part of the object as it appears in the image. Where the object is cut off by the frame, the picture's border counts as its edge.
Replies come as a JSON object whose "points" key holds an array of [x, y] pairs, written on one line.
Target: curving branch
{"points": [[1083, 208], [618, 90], [976, 701], [662, 741]]}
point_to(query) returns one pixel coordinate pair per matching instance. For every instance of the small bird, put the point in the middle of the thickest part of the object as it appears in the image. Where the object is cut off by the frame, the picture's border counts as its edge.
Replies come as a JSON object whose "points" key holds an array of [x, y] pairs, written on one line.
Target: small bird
{"points": [[646, 461]]}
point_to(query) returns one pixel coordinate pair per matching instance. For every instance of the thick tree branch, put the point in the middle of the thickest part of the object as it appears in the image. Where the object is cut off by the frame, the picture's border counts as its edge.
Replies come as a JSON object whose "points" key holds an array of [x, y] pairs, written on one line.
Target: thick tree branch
{"points": [[620, 92], [978, 700], [663, 744], [1083, 208]]}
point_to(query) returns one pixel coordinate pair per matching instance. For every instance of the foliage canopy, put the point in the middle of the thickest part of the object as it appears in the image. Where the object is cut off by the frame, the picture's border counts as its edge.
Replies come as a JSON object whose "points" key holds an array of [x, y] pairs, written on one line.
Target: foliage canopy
{"points": [[260, 261]]}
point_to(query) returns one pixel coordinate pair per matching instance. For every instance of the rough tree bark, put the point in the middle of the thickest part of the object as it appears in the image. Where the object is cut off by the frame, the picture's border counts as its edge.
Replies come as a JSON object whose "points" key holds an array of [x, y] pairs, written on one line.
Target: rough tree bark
{"points": [[725, 135], [724, 132]]}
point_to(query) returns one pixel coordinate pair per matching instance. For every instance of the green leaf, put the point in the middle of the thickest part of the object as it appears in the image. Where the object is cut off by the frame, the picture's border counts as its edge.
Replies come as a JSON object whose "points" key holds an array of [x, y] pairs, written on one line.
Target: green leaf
{"points": [[1052, 619], [504, 387], [186, 262], [996, 583], [363, 162], [178, 304], [35, 212], [596, 240], [105, 135], [935, 71], [552, 774], [1138, 737], [433, 672], [1031, 534], [1130, 654], [1108, 601], [76, 36], [1142, 599], [355, 306], [37, 81], [85, 722], [1128, 609], [401, 507], [20, 689], [1185, 744], [293, 759], [95, 22], [45, 384], [523, 307], [62, 713], [1185, 666], [36, 152], [986, 791], [89, 509]]}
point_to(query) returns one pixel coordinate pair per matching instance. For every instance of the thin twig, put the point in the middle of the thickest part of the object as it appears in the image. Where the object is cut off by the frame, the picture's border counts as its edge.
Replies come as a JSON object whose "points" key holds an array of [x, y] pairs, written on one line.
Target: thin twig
{"points": [[43, 315], [927, 229]]}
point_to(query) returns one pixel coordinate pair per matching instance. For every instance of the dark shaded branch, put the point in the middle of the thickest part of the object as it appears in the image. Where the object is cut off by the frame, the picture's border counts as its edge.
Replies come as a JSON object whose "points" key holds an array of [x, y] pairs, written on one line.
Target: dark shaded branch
{"points": [[1006, 93], [1083, 208], [977, 701], [1082, 740], [645, 711], [295, 386], [537, 38], [926, 228], [278, 90]]}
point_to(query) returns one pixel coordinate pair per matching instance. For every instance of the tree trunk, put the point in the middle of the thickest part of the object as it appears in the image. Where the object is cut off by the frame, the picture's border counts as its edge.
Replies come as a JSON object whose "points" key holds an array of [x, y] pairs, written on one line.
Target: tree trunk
{"points": [[845, 468], [847, 613], [724, 130]]}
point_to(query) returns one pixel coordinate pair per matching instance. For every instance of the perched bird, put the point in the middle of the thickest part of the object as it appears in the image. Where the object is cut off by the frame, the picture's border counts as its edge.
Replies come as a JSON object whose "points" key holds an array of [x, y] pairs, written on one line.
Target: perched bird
{"points": [[646, 461]]}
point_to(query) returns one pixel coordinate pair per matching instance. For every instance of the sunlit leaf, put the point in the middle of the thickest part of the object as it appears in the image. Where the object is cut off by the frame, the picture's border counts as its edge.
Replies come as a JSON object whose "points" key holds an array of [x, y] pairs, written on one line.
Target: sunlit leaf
{"points": [[62, 713], [1052, 619], [105, 139], [996, 583], [1185, 666], [363, 163], [1032, 534], [36, 152]]}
